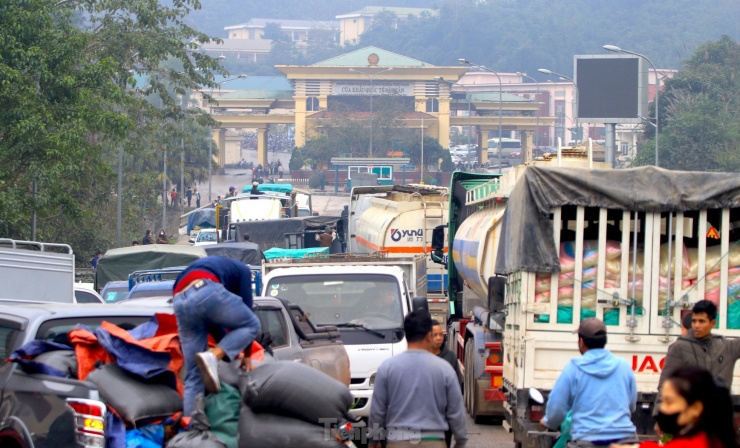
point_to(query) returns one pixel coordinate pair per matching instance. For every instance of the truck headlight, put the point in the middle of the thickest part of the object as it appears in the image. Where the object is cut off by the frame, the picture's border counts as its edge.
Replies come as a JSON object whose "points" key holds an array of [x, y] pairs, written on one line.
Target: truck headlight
{"points": [[372, 380]]}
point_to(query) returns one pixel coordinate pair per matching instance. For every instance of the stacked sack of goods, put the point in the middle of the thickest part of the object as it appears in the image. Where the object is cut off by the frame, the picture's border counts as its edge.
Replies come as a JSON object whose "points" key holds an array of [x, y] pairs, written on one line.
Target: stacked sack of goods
{"points": [[288, 404], [138, 375], [689, 264]]}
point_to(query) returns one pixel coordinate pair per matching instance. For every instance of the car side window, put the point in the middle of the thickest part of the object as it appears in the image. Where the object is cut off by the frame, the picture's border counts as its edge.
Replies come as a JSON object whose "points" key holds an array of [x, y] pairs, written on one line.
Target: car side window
{"points": [[86, 297], [273, 323], [8, 336]]}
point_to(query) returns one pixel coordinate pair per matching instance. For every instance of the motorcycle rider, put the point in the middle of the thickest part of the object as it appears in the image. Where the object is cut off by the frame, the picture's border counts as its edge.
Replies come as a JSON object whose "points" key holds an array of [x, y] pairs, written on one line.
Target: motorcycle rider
{"points": [[600, 391]]}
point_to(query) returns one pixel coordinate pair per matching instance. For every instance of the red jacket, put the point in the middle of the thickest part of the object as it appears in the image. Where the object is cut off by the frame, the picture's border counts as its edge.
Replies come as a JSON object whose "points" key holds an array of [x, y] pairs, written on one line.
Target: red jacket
{"points": [[698, 440]]}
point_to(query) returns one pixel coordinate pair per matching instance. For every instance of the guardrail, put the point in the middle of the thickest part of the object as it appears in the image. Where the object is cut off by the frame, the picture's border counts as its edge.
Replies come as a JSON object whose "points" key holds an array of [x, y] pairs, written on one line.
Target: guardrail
{"points": [[483, 192]]}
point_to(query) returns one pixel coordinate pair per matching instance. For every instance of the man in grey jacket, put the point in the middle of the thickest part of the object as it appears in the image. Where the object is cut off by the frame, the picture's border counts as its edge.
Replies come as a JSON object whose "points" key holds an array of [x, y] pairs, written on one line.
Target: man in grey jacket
{"points": [[416, 397], [701, 348]]}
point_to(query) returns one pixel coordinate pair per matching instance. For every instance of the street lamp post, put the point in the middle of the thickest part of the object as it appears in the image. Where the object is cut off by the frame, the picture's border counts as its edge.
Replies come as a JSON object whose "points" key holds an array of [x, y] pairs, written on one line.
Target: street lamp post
{"points": [[467, 93], [372, 92], [575, 86], [537, 116], [210, 141], [616, 49], [500, 101]]}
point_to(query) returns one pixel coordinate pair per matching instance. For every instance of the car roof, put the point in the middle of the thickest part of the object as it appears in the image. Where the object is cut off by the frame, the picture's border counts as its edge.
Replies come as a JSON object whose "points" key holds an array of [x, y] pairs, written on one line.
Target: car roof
{"points": [[70, 310], [165, 302], [159, 285]]}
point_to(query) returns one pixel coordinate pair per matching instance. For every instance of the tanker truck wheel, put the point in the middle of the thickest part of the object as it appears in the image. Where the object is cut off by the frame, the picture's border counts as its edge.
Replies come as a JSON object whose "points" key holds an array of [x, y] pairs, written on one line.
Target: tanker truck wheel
{"points": [[470, 396]]}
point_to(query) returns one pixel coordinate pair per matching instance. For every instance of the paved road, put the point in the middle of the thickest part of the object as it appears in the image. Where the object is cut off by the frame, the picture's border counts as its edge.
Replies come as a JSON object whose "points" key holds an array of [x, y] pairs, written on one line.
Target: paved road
{"points": [[488, 435]]}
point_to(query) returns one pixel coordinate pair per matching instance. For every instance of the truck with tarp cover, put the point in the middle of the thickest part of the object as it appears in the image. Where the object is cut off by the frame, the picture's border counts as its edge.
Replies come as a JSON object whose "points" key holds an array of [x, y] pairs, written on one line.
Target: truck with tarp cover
{"points": [[286, 233], [118, 263], [635, 248]]}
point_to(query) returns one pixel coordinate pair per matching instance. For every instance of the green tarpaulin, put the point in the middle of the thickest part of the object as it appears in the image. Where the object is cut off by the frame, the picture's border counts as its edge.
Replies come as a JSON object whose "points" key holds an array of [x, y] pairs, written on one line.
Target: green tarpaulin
{"points": [[276, 188], [276, 252], [117, 264]]}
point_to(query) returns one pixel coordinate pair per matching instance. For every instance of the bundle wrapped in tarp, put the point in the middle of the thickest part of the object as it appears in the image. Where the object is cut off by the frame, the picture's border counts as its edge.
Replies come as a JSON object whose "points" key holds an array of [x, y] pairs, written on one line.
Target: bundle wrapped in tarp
{"points": [[198, 434], [296, 390], [135, 398], [526, 241], [204, 218], [278, 431], [46, 358]]}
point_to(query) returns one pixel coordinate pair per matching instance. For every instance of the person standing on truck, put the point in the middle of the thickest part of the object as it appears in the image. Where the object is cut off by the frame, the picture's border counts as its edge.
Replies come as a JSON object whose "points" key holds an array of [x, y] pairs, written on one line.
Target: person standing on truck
{"points": [[94, 260], [254, 189], [213, 293], [600, 391], [416, 397], [701, 348], [325, 238]]}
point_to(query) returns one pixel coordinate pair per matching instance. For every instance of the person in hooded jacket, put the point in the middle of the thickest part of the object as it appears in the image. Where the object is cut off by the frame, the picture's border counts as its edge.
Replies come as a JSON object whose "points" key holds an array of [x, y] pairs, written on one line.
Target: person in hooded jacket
{"points": [[600, 391]]}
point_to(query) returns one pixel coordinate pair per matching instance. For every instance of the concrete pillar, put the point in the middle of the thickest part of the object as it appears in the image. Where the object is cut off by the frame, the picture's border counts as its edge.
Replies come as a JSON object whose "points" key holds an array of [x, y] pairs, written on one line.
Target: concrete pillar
{"points": [[482, 146], [300, 120], [527, 146], [219, 136], [262, 145], [443, 122], [610, 144]]}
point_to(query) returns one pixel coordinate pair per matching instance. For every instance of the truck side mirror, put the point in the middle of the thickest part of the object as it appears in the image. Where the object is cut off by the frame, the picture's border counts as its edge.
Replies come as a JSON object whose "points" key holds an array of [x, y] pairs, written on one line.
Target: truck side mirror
{"points": [[419, 303], [438, 245], [496, 293]]}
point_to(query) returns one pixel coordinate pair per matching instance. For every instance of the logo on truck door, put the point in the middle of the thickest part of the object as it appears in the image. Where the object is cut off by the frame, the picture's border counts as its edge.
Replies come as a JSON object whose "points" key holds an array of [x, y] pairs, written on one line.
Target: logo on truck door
{"points": [[647, 363], [409, 235]]}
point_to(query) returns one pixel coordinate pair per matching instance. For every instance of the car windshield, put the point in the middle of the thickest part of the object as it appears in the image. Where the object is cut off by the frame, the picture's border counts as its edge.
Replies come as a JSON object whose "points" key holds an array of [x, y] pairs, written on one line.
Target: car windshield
{"points": [[370, 300], [206, 236], [113, 295]]}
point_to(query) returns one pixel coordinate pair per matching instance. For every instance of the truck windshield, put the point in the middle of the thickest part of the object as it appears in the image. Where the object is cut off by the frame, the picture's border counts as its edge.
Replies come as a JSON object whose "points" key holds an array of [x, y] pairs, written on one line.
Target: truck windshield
{"points": [[371, 300]]}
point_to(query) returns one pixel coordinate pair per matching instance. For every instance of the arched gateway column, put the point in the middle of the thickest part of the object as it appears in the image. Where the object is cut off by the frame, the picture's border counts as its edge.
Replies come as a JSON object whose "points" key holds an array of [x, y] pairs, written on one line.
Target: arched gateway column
{"points": [[262, 145]]}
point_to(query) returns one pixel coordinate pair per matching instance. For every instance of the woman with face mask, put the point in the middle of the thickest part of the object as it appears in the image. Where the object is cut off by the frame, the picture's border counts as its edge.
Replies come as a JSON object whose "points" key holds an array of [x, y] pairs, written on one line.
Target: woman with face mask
{"points": [[695, 412]]}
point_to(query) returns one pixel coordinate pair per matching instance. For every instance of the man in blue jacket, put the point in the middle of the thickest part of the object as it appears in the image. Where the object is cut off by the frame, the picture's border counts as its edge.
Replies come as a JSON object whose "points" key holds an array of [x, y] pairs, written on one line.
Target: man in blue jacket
{"points": [[211, 295], [599, 390]]}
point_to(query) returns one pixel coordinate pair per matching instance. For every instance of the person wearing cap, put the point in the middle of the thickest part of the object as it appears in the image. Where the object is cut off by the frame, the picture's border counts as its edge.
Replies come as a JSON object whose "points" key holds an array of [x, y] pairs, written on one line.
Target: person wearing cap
{"points": [[254, 189], [232, 192], [600, 391]]}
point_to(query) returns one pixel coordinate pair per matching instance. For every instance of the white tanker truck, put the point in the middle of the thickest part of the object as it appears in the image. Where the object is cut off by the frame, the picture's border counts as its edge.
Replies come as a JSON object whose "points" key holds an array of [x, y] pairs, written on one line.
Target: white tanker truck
{"points": [[399, 220]]}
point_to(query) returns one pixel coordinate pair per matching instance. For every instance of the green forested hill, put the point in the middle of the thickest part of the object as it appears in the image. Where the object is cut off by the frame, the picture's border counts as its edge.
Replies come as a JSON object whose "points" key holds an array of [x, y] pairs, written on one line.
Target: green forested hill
{"points": [[513, 35]]}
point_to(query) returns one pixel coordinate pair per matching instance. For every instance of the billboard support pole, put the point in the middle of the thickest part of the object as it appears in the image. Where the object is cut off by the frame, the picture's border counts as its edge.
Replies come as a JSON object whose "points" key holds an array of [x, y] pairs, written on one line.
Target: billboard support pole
{"points": [[610, 142]]}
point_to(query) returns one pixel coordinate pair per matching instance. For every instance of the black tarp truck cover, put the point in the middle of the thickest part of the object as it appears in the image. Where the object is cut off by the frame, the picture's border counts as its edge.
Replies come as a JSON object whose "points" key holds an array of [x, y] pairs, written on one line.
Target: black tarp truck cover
{"points": [[117, 264], [526, 242], [271, 233], [246, 252]]}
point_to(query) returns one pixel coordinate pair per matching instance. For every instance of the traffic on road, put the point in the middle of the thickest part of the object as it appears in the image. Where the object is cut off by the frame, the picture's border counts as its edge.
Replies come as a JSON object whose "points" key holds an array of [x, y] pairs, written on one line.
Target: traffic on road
{"points": [[321, 330]]}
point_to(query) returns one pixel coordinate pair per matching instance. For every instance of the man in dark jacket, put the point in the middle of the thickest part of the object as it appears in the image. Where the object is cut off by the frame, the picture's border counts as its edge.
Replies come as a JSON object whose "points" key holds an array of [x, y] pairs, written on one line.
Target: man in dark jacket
{"points": [[214, 293], [701, 348], [439, 348]]}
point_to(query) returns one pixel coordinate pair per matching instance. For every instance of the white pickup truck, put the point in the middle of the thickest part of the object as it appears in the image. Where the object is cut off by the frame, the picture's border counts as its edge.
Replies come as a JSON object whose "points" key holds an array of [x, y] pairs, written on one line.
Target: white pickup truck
{"points": [[365, 297]]}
